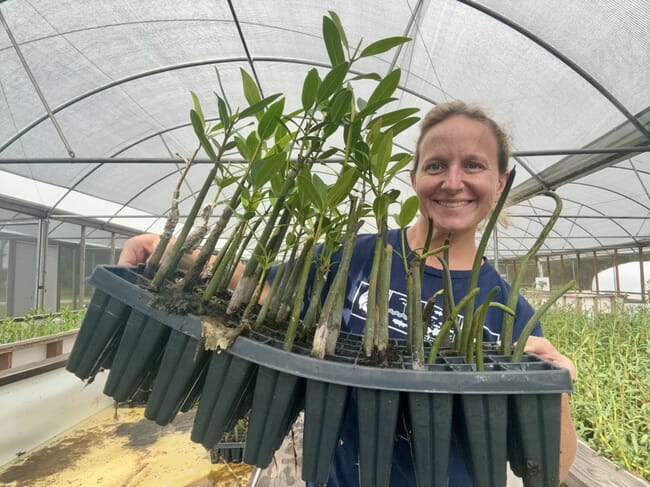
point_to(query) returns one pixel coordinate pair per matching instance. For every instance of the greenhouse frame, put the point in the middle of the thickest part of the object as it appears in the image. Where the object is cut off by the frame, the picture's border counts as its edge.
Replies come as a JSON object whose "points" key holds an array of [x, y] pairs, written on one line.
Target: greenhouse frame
{"points": [[100, 92], [95, 126]]}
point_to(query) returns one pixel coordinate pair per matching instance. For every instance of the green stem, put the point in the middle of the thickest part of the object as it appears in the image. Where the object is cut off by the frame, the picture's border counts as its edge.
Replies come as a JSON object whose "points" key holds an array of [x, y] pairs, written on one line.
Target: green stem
{"points": [[371, 314], [313, 310], [193, 275], [478, 260], [446, 326], [244, 290], [414, 313], [170, 264], [299, 294], [508, 321], [479, 319], [383, 293], [329, 322], [532, 322], [170, 224], [218, 268], [264, 311]]}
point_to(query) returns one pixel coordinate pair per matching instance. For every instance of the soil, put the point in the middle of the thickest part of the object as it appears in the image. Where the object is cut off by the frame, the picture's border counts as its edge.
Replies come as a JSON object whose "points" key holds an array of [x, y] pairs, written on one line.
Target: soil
{"points": [[221, 329], [119, 447]]}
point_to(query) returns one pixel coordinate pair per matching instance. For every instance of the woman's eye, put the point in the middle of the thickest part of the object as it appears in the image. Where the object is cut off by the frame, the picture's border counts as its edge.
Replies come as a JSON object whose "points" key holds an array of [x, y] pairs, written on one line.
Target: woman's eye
{"points": [[433, 167], [473, 165]]}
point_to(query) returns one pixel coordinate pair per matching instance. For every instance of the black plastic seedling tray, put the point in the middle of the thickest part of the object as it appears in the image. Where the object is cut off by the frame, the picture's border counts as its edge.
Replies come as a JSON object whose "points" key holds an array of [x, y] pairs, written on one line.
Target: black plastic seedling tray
{"points": [[509, 411]]}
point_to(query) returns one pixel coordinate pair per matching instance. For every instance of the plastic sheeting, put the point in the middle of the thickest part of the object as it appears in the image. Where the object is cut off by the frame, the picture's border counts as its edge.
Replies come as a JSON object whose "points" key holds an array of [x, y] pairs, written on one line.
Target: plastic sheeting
{"points": [[117, 76]]}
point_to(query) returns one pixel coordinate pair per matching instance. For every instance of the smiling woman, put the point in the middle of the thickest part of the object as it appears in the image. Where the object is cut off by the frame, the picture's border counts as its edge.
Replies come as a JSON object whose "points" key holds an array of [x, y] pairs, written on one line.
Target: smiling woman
{"points": [[459, 172]]}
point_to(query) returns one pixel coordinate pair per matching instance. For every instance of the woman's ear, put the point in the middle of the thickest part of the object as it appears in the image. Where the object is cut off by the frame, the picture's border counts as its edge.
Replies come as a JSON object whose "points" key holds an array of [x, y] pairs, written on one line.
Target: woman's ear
{"points": [[412, 174], [501, 184]]}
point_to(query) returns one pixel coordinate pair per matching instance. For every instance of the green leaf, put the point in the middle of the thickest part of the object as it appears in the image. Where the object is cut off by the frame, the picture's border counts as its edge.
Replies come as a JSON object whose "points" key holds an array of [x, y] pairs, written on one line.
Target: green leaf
{"points": [[308, 190], [332, 40], [341, 104], [224, 114], [251, 91], [242, 148], [383, 45], [392, 195], [380, 154], [391, 118], [339, 27], [343, 186], [310, 89], [270, 119], [408, 210], [230, 145], [380, 206], [402, 161], [402, 125], [264, 169], [386, 87], [245, 197], [320, 186], [198, 125], [197, 105], [332, 82], [372, 76], [323, 156], [256, 108], [224, 182]]}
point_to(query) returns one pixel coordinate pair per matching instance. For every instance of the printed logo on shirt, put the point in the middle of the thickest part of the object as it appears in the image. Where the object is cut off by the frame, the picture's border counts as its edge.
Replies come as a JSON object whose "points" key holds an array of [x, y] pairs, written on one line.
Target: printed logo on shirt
{"points": [[397, 318]]}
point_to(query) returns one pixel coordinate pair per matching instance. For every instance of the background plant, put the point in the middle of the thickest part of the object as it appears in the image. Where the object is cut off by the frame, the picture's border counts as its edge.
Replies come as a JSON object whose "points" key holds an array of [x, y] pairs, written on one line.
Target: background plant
{"points": [[39, 323], [611, 402]]}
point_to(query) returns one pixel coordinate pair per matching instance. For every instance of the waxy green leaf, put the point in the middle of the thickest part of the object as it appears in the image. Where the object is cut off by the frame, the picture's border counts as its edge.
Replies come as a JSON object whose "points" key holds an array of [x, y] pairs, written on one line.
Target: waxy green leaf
{"points": [[251, 91], [256, 108], [264, 169], [333, 43], [408, 210], [386, 87], [343, 186], [310, 89], [199, 126], [310, 191], [197, 105], [383, 45], [339, 27], [224, 114], [270, 119], [332, 81]]}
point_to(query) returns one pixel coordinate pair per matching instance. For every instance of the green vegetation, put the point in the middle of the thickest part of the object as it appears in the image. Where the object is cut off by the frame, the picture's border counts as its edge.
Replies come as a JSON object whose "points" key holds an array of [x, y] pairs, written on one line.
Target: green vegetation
{"points": [[611, 403], [38, 323]]}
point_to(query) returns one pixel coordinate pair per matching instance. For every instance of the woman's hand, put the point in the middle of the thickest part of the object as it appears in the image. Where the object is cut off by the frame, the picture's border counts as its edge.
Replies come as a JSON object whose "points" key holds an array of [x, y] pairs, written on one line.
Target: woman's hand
{"points": [[541, 347], [138, 249]]}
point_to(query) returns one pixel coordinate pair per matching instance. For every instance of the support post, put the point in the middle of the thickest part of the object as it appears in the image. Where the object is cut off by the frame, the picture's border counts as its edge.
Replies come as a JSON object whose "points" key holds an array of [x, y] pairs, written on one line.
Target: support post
{"points": [[41, 262], [82, 266]]}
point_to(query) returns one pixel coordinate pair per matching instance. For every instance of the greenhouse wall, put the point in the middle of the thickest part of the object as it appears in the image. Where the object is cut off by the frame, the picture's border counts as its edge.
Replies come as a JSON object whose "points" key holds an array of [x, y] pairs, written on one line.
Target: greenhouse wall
{"points": [[34, 279], [621, 272]]}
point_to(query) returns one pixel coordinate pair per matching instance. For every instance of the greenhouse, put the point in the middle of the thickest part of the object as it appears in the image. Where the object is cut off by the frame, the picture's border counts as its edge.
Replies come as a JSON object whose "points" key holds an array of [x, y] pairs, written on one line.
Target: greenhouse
{"points": [[101, 110]]}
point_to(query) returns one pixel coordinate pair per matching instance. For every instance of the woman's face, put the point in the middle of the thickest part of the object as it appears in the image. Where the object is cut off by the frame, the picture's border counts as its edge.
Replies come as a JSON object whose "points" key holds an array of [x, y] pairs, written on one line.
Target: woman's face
{"points": [[457, 178]]}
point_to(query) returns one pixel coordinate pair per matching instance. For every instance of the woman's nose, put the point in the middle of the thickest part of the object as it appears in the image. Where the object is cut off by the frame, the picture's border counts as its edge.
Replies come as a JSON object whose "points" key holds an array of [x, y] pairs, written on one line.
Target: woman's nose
{"points": [[453, 179]]}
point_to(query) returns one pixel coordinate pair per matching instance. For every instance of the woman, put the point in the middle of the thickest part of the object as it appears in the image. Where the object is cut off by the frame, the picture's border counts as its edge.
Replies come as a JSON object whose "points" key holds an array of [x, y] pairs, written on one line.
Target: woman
{"points": [[459, 172]]}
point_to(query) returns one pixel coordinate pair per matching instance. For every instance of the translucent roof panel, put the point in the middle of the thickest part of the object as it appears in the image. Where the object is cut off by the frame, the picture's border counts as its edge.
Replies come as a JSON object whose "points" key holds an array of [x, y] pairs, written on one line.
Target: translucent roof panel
{"points": [[95, 97]]}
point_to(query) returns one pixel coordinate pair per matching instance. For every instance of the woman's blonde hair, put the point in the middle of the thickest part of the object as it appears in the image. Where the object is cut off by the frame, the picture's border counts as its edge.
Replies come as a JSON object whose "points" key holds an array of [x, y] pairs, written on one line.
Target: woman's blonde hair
{"points": [[443, 111]]}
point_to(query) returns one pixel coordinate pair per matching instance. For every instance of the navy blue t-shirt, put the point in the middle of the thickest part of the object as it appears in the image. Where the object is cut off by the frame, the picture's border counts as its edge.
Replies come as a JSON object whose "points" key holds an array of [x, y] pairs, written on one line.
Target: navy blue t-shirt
{"points": [[345, 472]]}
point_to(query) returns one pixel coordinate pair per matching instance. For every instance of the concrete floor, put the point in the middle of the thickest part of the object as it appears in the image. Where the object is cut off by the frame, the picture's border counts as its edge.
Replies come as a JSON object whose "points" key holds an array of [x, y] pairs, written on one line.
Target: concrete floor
{"points": [[119, 447]]}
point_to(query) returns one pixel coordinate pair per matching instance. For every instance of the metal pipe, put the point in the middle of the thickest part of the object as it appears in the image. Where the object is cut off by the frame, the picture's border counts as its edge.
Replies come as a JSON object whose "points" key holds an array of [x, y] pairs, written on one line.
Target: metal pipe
{"points": [[40, 94]]}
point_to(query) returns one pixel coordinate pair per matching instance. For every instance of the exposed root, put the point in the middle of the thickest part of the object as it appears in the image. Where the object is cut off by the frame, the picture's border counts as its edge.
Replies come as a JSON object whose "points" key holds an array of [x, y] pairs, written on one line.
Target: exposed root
{"points": [[218, 335]]}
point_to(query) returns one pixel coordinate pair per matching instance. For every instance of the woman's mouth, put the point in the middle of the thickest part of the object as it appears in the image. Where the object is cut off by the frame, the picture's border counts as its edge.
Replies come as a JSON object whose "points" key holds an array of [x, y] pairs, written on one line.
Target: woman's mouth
{"points": [[453, 204]]}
